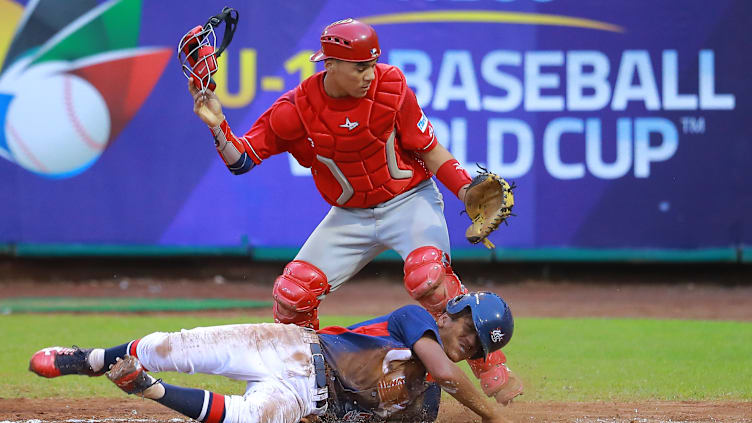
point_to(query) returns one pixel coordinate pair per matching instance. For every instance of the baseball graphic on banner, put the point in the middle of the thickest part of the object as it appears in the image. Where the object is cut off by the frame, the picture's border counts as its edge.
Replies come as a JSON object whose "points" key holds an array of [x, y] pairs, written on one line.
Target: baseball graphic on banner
{"points": [[57, 124]]}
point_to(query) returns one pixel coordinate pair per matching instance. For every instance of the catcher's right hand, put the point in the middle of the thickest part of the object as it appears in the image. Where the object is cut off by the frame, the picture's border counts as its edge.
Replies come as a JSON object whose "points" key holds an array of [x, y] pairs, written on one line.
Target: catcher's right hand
{"points": [[488, 202], [206, 105]]}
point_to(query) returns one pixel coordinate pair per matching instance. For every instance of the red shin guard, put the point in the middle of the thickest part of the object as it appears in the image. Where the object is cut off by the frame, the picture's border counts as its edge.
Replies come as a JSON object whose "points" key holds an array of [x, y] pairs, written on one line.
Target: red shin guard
{"points": [[296, 294], [429, 279]]}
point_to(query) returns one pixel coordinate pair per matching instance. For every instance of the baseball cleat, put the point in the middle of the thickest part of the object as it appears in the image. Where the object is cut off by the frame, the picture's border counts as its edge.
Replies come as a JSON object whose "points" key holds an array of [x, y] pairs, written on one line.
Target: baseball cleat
{"points": [[129, 375], [58, 361]]}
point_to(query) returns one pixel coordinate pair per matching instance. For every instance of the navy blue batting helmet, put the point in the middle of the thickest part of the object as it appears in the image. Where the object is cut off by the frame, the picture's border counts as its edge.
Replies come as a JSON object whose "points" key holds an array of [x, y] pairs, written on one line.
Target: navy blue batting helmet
{"points": [[491, 316]]}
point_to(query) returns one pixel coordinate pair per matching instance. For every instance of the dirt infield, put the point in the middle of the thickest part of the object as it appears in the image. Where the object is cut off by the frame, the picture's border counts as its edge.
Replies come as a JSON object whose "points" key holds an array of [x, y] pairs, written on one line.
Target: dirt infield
{"points": [[678, 293], [139, 410], [687, 292]]}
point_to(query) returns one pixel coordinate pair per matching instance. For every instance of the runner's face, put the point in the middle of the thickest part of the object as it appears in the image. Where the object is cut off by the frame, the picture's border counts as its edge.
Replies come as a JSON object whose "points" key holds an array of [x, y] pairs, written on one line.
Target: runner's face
{"points": [[351, 78], [459, 337]]}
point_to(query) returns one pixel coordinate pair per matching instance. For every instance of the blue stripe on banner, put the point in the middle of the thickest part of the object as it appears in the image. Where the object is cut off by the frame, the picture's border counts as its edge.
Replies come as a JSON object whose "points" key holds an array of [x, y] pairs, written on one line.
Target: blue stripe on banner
{"points": [[5, 100]]}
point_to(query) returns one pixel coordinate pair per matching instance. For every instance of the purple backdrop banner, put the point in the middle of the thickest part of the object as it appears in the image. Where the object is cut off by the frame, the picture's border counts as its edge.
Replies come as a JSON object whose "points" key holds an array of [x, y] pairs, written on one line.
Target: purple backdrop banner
{"points": [[625, 124]]}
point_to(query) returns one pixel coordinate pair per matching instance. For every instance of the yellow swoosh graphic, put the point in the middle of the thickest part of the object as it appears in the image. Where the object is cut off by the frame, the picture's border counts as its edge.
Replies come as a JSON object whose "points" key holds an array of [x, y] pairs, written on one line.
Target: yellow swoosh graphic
{"points": [[10, 14], [489, 16]]}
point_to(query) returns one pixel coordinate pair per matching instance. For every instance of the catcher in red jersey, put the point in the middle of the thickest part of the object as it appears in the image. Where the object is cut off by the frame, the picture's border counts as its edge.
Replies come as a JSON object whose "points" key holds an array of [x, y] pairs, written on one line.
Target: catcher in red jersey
{"points": [[372, 153]]}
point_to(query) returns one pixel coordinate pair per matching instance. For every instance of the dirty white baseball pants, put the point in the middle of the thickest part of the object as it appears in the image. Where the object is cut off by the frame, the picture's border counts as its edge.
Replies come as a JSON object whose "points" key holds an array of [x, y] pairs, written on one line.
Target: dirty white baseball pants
{"points": [[349, 238], [274, 359]]}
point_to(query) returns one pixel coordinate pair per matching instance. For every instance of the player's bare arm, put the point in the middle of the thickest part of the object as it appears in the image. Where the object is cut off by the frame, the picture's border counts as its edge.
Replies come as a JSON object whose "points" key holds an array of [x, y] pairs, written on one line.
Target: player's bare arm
{"points": [[439, 157], [454, 381], [208, 108]]}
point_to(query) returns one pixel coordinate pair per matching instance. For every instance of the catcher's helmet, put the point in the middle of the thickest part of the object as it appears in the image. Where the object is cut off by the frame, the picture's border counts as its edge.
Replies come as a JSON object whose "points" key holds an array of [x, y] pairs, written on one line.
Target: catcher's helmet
{"points": [[349, 40], [491, 315]]}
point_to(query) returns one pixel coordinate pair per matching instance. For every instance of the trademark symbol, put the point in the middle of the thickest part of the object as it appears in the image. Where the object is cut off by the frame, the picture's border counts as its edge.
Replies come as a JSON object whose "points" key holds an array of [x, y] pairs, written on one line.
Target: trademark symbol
{"points": [[693, 125]]}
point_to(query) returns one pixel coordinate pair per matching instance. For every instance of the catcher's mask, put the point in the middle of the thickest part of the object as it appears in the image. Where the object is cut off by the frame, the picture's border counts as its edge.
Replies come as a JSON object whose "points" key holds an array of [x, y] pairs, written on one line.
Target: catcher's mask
{"points": [[198, 52], [491, 316]]}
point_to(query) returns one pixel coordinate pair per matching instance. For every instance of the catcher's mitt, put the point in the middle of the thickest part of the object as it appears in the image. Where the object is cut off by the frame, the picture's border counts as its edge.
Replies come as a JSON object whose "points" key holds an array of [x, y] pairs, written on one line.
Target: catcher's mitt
{"points": [[488, 202]]}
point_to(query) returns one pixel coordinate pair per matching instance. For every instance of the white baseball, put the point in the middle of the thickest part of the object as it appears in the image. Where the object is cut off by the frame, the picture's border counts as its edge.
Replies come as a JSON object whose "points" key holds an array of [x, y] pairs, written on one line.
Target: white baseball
{"points": [[57, 124]]}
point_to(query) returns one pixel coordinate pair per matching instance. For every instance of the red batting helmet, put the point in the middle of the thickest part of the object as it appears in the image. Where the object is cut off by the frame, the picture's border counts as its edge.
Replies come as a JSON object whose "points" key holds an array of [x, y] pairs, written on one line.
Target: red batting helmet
{"points": [[348, 40]]}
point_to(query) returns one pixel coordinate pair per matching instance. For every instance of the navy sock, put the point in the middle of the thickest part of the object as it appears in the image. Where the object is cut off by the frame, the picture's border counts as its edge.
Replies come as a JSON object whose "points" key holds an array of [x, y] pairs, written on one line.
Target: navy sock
{"points": [[190, 402], [112, 354]]}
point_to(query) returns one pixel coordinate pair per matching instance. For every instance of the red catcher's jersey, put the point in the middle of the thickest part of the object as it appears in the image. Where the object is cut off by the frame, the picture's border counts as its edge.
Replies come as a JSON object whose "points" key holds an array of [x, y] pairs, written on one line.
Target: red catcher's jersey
{"points": [[361, 157]]}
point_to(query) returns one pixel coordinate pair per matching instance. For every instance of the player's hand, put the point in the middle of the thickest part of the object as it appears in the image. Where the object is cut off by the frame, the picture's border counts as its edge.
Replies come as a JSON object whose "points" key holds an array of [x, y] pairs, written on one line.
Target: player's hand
{"points": [[206, 105], [510, 390], [502, 398]]}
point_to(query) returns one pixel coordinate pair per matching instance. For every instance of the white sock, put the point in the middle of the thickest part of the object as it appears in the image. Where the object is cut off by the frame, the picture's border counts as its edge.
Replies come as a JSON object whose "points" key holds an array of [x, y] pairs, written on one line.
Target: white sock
{"points": [[96, 359], [155, 391]]}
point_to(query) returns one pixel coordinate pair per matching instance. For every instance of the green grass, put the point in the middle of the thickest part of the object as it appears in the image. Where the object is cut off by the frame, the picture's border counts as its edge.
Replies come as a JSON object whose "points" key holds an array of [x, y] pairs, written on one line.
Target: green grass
{"points": [[559, 359], [121, 304], [627, 359]]}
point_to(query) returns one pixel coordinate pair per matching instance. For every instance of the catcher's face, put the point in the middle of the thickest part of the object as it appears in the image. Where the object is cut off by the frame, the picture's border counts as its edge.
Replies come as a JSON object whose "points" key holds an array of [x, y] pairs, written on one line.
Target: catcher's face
{"points": [[348, 78], [459, 337]]}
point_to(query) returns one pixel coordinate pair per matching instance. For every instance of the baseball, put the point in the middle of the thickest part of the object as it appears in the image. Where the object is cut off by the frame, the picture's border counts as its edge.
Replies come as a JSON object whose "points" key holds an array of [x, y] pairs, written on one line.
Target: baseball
{"points": [[57, 124]]}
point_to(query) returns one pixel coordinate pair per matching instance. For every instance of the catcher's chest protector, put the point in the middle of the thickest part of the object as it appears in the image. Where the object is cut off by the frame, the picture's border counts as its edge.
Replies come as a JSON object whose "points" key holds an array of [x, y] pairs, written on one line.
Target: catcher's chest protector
{"points": [[358, 162]]}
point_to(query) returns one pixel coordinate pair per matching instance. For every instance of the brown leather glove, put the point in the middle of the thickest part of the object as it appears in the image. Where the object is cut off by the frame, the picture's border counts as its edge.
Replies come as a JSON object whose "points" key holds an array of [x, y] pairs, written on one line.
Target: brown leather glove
{"points": [[488, 202]]}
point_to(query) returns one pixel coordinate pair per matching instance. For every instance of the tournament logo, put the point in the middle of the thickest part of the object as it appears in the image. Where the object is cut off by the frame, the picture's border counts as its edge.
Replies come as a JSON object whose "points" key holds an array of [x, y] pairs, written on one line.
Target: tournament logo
{"points": [[72, 78], [423, 122]]}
